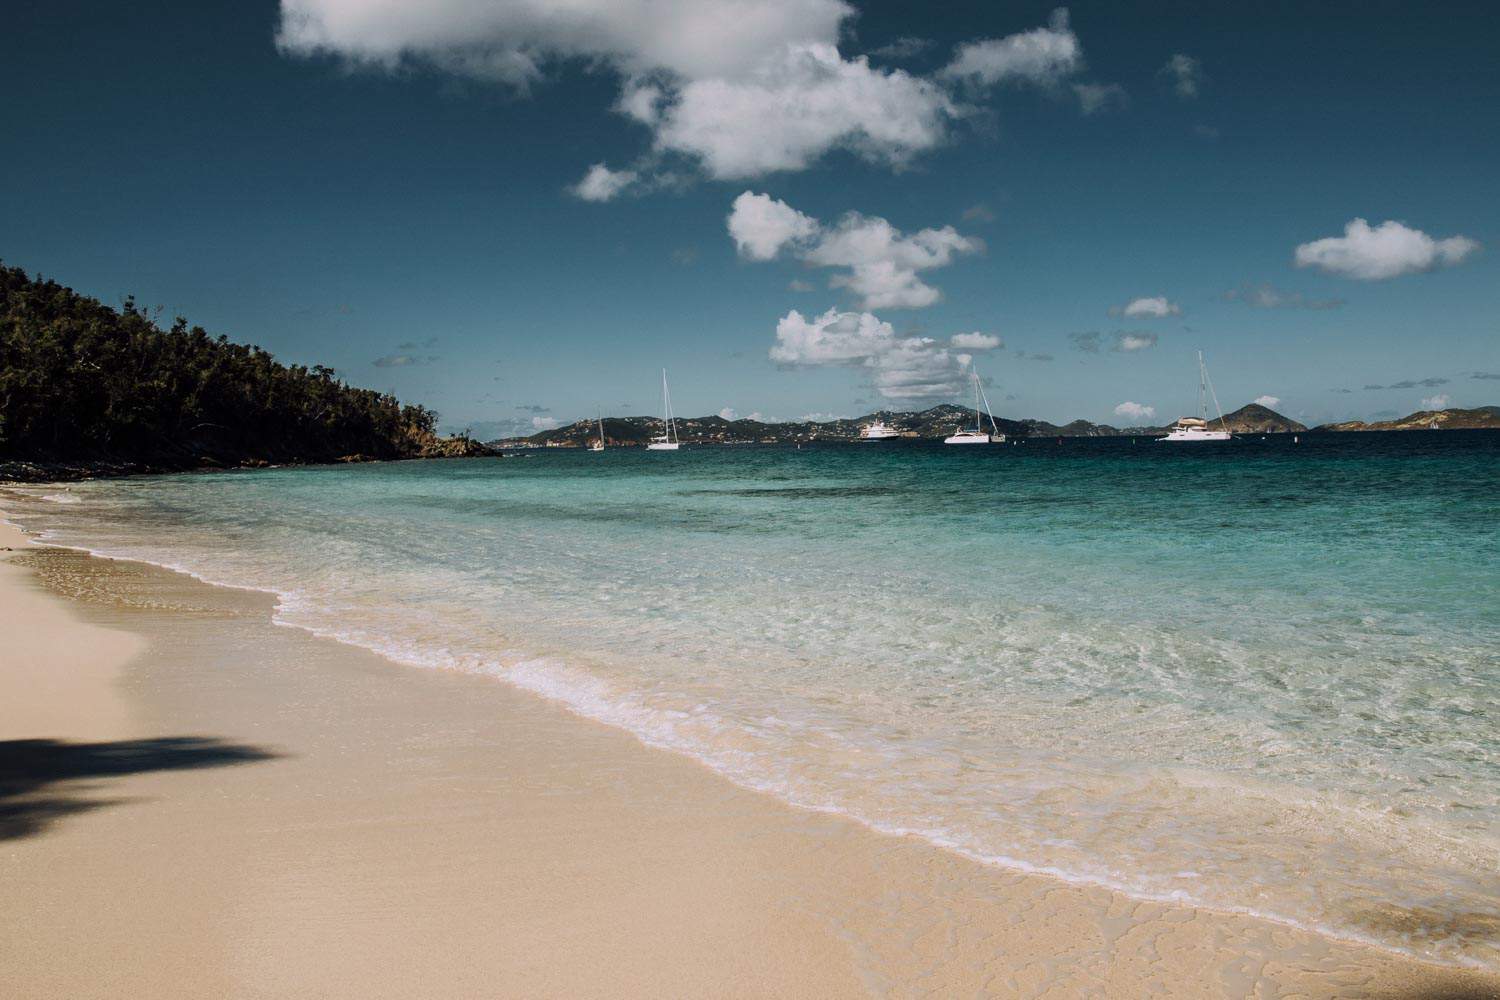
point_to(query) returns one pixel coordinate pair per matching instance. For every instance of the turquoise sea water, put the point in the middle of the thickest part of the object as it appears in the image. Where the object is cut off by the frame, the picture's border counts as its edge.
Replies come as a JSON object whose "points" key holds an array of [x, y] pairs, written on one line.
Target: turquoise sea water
{"points": [[1261, 676]]}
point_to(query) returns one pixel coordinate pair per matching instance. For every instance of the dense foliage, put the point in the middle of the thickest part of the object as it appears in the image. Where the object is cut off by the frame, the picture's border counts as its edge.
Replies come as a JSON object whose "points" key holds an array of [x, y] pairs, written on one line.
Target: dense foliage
{"points": [[81, 382]]}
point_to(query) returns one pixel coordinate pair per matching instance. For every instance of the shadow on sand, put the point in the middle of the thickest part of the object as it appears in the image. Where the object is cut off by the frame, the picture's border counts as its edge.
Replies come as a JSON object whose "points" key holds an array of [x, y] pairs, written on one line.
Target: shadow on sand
{"points": [[34, 773]]}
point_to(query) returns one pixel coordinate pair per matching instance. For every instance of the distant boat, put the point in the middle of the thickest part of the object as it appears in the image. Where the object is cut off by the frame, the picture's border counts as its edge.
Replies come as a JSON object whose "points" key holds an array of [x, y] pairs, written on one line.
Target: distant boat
{"points": [[667, 441], [599, 444], [977, 435], [878, 431], [1196, 428]]}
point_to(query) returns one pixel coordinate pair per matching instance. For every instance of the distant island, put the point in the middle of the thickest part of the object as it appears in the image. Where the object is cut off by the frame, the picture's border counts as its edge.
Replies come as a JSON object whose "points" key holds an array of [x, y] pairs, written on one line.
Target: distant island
{"points": [[939, 421], [934, 423], [89, 390], [1481, 417]]}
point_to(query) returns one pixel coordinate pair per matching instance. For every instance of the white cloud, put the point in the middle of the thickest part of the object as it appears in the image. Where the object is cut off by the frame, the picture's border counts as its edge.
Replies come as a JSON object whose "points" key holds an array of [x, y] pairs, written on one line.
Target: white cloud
{"points": [[1186, 74], [822, 418], [802, 103], [976, 341], [1094, 98], [1041, 55], [832, 338], [1135, 411], [740, 87], [602, 183], [912, 368], [883, 263], [1386, 251], [728, 413], [1154, 307], [545, 423], [1269, 402], [1438, 402], [1127, 342], [511, 41], [761, 226]]}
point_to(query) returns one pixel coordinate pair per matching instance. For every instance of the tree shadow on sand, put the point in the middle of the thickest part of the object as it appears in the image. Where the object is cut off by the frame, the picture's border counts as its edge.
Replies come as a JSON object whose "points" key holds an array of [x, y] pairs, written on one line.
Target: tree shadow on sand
{"points": [[35, 775]]}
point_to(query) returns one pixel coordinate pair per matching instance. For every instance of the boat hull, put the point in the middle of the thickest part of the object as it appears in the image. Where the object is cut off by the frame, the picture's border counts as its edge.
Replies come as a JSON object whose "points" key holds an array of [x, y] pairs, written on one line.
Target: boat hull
{"points": [[969, 439], [1196, 435], [662, 446]]}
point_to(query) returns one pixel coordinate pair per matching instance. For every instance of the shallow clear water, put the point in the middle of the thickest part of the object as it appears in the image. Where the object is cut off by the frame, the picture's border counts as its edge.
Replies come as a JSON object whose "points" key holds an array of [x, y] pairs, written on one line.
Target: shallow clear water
{"points": [[1261, 676]]}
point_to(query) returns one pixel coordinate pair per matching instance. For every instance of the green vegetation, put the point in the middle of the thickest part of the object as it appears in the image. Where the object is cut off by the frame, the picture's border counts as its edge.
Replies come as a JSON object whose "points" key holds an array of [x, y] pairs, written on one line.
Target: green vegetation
{"points": [[81, 383]]}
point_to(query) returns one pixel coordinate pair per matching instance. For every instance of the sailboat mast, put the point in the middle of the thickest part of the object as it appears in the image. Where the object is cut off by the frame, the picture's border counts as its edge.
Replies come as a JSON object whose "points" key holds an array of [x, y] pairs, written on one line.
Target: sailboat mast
{"points": [[1202, 390], [977, 425]]}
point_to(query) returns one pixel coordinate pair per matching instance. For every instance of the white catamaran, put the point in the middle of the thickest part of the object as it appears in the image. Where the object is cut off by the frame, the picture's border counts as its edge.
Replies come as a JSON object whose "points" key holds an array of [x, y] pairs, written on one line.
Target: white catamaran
{"points": [[1196, 428], [668, 440], [599, 444], [977, 435]]}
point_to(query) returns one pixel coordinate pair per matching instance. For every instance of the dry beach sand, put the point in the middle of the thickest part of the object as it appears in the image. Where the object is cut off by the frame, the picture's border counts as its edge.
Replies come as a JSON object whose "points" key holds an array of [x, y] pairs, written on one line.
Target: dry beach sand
{"points": [[195, 802]]}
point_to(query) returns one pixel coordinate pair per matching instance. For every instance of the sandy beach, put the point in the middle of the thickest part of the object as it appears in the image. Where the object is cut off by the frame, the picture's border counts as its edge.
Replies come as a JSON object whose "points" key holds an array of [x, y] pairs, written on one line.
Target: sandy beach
{"points": [[195, 802]]}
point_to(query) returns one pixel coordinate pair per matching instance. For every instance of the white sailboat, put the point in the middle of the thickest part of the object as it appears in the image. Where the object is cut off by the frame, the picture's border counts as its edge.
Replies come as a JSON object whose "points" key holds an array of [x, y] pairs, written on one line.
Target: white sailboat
{"points": [[978, 434], [599, 444], [1196, 428], [667, 441]]}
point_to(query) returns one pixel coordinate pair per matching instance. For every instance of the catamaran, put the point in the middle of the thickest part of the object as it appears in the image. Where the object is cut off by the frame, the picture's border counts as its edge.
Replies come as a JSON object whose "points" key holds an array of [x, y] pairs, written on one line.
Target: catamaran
{"points": [[1196, 428], [878, 431], [599, 444], [668, 440], [978, 434]]}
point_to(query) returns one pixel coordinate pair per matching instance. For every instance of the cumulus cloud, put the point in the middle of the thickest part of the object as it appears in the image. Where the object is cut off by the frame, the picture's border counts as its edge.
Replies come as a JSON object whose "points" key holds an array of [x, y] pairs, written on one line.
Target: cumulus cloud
{"points": [[1437, 402], [739, 88], [799, 105], [1149, 307], [1385, 251], [882, 262], [601, 183], [761, 226], [909, 368], [1127, 342], [1135, 411], [1269, 402], [728, 413], [545, 423], [743, 88], [976, 341], [1267, 296], [1185, 74], [513, 41], [1040, 56]]}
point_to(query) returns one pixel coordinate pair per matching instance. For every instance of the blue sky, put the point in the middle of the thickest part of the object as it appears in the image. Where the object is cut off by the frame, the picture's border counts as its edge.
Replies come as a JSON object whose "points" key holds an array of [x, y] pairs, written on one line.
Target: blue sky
{"points": [[399, 196]]}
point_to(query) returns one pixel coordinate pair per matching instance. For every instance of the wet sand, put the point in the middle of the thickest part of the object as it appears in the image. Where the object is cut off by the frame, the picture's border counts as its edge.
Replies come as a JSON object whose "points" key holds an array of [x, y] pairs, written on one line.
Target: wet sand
{"points": [[195, 802]]}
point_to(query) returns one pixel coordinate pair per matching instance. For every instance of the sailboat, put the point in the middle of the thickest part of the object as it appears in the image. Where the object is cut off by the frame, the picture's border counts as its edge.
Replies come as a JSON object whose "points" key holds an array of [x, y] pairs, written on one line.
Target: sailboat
{"points": [[599, 444], [977, 435], [667, 441], [1196, 428]]}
